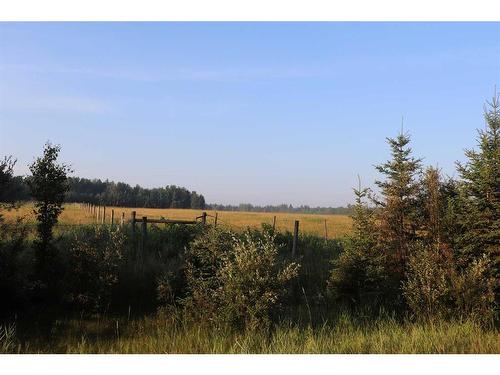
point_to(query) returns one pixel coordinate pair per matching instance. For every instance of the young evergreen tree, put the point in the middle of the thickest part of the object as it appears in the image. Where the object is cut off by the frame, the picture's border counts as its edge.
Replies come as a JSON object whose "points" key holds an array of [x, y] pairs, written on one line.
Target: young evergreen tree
{"points": [[359, 276], [480, 187], [432, 206], [399, 214]]}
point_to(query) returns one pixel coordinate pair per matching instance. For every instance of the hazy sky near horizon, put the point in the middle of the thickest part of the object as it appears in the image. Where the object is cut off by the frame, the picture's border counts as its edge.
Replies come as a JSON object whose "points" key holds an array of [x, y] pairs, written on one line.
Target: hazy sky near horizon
{"points": [[265, 113]]}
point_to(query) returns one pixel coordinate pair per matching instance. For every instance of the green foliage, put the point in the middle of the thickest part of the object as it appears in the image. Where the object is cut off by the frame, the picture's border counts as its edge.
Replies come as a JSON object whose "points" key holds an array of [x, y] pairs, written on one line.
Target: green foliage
{"points": [[474, 290], [481, 192], [437, 288], [94, 258], [15, 265], [6, 173], [398, 215], [48, 185], [235, 281], [360, 276], [122, 194], [427, 286]]}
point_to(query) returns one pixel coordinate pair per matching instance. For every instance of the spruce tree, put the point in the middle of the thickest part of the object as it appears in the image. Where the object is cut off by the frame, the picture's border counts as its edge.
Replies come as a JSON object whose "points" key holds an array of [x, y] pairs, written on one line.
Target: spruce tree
{"points": [[359, 275], [480, 188], [432, 205], [399, 214]]}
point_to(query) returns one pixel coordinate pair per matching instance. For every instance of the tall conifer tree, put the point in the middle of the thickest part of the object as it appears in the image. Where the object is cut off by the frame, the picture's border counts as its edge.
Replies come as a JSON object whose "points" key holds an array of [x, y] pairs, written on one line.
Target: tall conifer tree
{"points": [[481, 190], [399, 215]]}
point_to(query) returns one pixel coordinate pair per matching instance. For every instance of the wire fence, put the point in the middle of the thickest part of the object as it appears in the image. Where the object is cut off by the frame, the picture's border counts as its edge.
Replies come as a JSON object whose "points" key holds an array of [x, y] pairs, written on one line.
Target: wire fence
{"points": [[89, 214]]}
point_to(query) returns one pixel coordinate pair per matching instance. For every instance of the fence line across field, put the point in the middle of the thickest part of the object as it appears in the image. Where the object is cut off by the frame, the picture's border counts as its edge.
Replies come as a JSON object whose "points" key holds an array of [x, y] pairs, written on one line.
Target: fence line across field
{"points": [[106, 215], [95, 211]]}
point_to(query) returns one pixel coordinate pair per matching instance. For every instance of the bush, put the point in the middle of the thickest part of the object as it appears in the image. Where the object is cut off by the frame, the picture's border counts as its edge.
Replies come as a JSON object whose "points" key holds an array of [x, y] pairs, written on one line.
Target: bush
{"points": [[474, 291], [15, 265], [360, 277], [315, 256], [94, 259], [427, 288], [436, 287], [236, 280]]}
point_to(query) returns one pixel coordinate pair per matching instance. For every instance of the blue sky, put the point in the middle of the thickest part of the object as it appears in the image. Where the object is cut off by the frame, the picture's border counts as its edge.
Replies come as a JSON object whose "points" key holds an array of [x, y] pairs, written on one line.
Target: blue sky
{"points": [[265, 113]]}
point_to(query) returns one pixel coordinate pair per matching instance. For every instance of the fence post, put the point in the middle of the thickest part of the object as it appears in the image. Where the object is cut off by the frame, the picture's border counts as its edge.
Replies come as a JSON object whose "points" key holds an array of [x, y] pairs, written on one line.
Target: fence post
{"points": [[204, 218], [295, 238], [122, 220], [274, 223], [112, 217], [215, 224], [326, 232], [104, 215], [144, 232], [133, 223]]}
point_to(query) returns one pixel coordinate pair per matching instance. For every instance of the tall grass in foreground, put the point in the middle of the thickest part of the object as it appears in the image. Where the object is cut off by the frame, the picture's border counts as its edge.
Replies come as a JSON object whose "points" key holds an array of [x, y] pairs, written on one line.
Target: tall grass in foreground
{"points": [[161, 334]]}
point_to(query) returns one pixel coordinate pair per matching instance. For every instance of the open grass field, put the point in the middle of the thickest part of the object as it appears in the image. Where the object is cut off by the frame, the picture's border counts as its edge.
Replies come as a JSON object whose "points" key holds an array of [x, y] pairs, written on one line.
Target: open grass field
{"points": [[337, 225]]}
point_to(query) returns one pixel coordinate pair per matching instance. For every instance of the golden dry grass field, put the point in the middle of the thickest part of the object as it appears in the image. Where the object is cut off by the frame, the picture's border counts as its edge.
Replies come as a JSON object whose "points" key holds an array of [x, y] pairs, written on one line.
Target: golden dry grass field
{"points": [[337, 225]]}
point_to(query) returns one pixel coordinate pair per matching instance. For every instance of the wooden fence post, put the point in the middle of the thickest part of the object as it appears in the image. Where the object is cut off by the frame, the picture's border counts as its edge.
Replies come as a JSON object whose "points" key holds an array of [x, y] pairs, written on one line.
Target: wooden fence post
{"points": [[104, 215], [204, 218], [215, 224], [295, 238], [112, 217], [122, 220], [326, 232], [144, 232], [274, 223], [133, 223]]}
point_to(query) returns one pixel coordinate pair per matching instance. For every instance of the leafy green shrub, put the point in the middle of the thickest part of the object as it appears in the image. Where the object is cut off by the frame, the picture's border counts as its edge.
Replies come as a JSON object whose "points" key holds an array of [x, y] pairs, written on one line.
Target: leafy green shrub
{"points": [[474, 290], [436, 287], [15, 264], [94, 259], [236, 280], [156, 275], [315, 256], [427, 288]]}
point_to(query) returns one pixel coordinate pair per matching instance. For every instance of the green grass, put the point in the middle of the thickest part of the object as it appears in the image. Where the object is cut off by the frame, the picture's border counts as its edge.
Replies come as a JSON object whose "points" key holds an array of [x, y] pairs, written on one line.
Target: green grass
{"points": [[161, 334]]}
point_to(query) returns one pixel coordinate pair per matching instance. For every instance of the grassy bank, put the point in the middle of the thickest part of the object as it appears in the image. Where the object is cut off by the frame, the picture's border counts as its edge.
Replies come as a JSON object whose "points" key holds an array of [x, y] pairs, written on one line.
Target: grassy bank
{"points": [[161, 334]]}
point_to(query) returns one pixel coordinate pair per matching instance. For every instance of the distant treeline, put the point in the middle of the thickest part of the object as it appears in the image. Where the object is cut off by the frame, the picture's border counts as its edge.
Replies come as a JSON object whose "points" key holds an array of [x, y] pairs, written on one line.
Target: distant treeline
{"points": [[283, 208], [122, 194], [113, 194]]}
